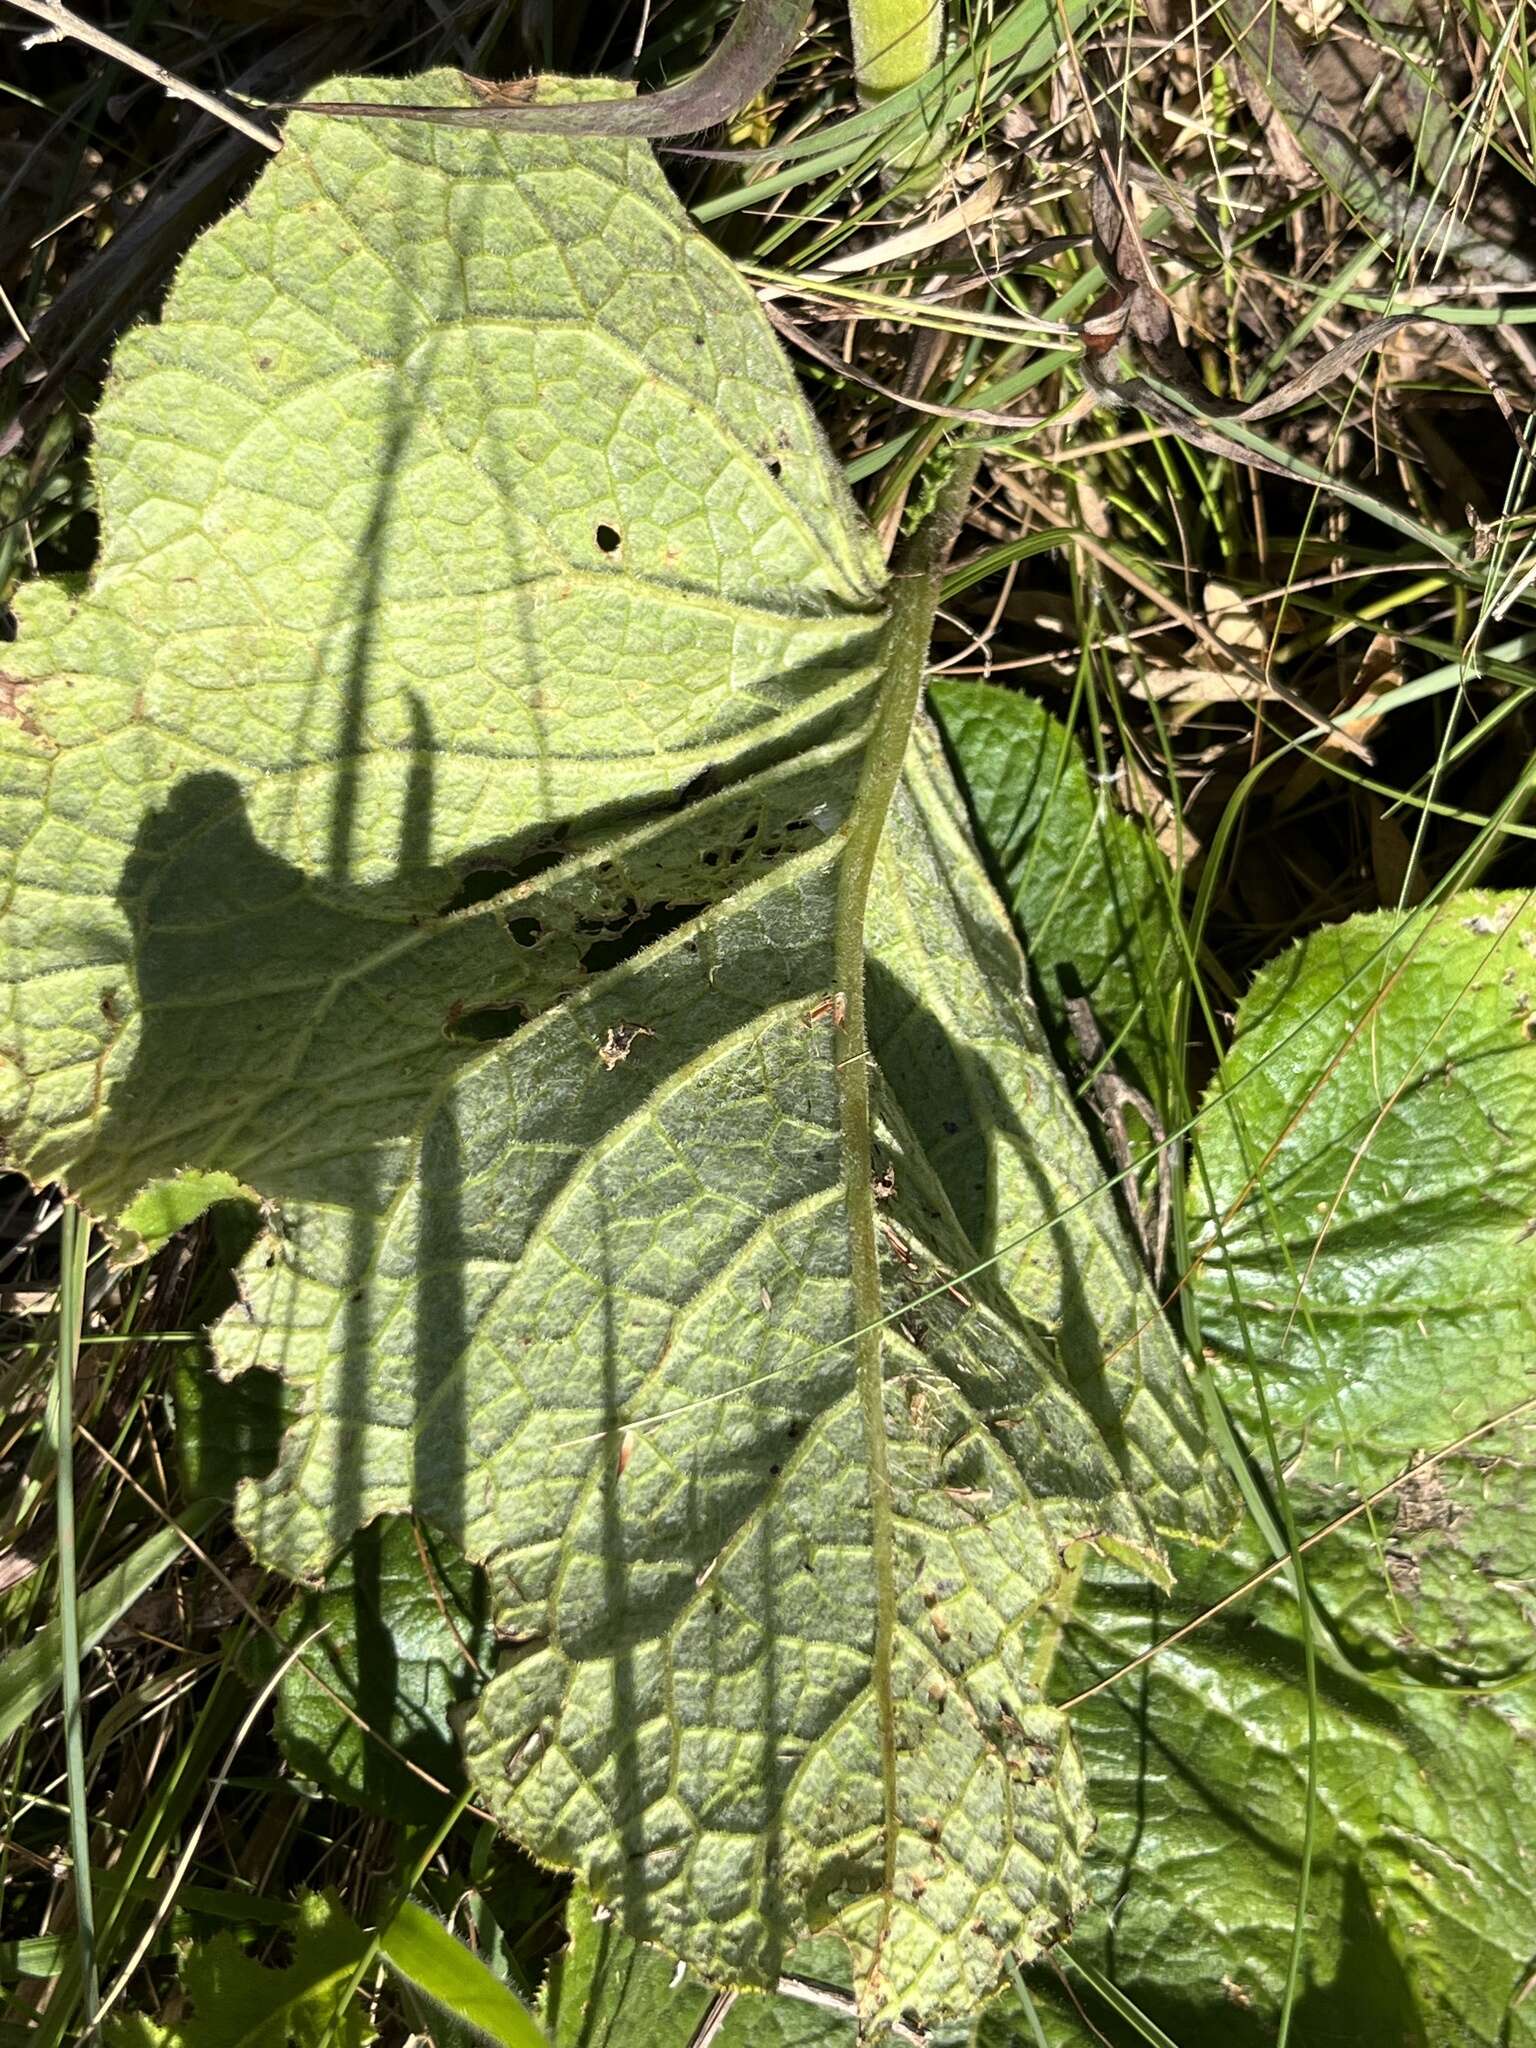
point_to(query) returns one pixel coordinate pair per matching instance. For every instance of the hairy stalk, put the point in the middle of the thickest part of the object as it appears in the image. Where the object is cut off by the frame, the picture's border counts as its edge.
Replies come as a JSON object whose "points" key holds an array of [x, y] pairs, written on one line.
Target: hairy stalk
{"points": [[750, 54], [919, 575], [894, 43]]}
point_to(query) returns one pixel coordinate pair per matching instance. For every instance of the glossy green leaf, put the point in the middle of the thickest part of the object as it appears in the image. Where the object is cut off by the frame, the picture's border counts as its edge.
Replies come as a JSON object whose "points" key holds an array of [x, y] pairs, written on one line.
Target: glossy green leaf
{"points": [[1368, 1160], [605, 1991], [1089, 887], [465, 808], [1423, 1891], [1370, 1143]]}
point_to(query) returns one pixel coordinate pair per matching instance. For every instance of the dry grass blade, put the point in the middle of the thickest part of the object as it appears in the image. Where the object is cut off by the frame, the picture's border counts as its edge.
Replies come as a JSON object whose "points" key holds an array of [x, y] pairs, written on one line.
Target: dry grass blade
{"points": [[976, 416], [61, 21], [1269, 50]]}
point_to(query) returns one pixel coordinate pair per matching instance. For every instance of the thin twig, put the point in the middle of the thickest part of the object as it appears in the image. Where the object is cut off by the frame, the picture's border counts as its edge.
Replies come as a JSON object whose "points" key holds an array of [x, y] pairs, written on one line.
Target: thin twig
{"points": [[63, 23]]}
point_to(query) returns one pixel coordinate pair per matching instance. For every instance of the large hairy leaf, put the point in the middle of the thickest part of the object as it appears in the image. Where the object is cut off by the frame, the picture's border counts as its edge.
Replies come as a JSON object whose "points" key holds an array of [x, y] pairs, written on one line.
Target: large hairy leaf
{"points": [[465, 810], [1422, 1898], [1371, 1171]]}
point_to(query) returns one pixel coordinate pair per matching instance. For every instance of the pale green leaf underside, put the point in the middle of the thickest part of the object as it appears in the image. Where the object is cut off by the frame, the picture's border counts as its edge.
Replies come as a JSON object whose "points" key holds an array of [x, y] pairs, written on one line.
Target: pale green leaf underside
{"points": [[434, 817]]}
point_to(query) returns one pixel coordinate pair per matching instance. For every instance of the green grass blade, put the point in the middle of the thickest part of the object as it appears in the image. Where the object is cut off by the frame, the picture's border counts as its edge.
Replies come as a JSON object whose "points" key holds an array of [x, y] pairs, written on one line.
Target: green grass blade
{"points": [[442, 1971], [1026, 2006], [427, 1848], [30, 1678], [1116, 1999], [74, 1247]]}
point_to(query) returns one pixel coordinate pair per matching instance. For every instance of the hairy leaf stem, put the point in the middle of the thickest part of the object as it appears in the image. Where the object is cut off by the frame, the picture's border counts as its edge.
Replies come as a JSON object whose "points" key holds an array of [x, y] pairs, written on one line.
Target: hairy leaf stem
{"points": [[894, 43], [918, 575]]}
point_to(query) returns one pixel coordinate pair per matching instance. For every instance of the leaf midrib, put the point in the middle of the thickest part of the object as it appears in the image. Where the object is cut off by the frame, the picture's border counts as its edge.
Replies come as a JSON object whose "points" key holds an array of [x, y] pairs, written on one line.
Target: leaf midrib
{"points": [[917, 585]]}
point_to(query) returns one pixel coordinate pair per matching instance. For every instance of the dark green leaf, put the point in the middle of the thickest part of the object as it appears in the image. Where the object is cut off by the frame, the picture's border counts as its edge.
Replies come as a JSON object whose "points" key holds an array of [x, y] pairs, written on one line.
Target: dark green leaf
{"points": [[236, 2002], [226, 1430], [606, 1991], [405, 1635], [1088, 886], [1423, 1897], [1370, 1145]]}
